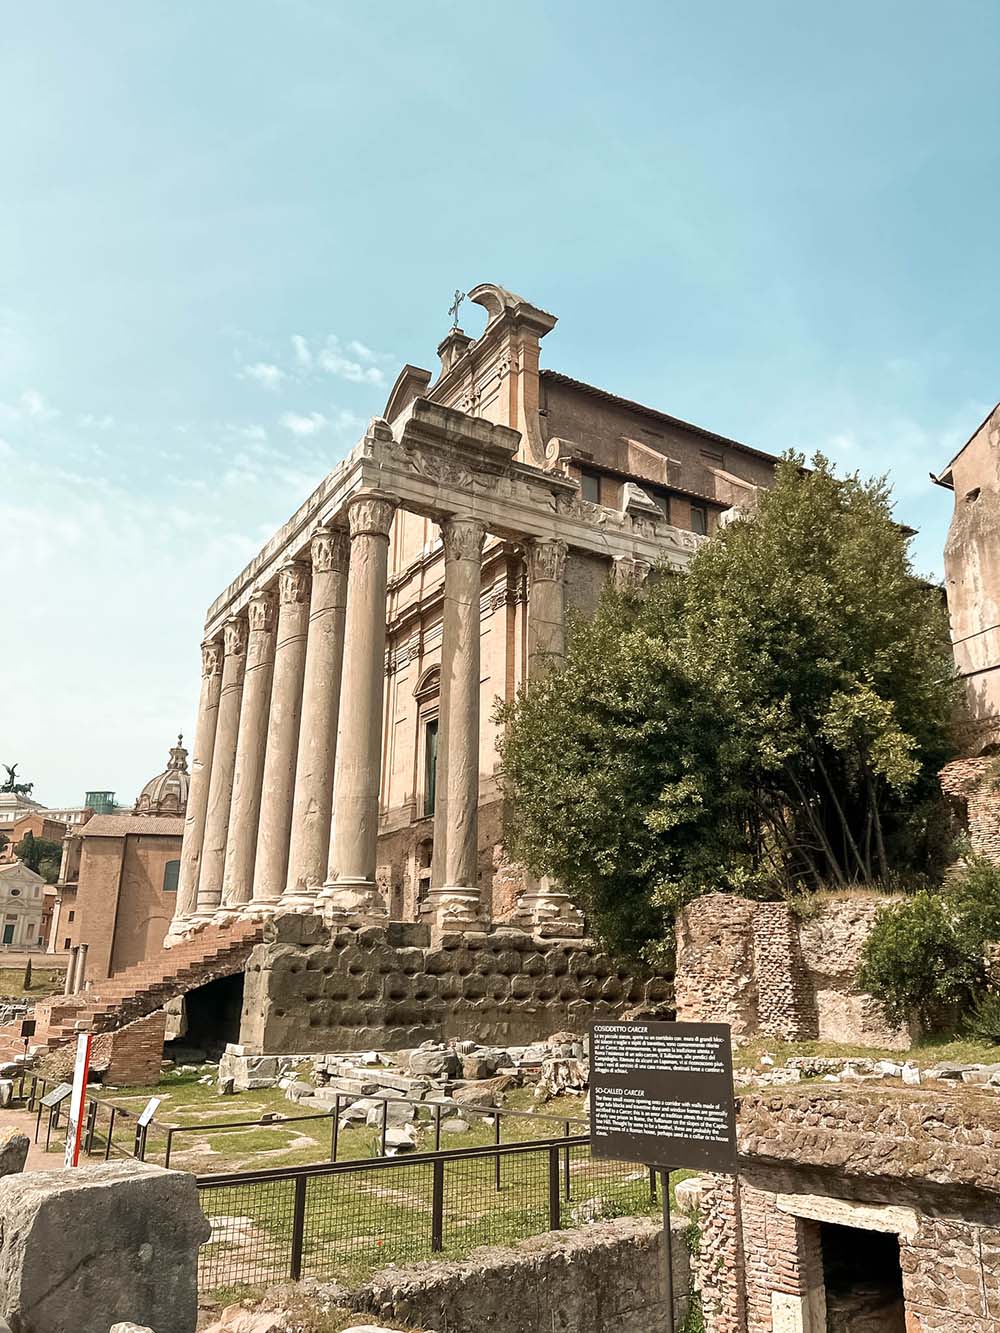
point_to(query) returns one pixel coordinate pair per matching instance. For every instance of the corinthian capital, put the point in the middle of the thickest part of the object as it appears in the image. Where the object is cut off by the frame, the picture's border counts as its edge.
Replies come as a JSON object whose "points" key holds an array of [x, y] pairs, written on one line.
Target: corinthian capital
{"points": [[293, 583], [330, 550], [547, 560], [261, 610], [234, 632], [371, 513], [211, 657], [463, 538]]}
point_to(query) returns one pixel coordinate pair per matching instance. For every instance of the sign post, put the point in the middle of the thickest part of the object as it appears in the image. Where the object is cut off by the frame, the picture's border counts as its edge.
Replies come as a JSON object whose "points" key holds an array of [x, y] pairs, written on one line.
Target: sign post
{"points": [[661, 1094], [75, 1126]]}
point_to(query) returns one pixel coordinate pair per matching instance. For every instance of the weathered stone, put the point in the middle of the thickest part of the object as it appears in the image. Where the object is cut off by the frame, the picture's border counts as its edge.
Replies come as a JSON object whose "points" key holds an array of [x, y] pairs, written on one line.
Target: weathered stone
{"points": [[82, 1247], [13, 1151]]}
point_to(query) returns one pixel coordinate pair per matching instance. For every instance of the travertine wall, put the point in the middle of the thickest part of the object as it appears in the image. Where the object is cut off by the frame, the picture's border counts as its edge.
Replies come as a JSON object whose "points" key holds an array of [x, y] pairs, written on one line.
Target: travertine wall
{"points": [[919, 1166], [309, 988], [765, 971]]}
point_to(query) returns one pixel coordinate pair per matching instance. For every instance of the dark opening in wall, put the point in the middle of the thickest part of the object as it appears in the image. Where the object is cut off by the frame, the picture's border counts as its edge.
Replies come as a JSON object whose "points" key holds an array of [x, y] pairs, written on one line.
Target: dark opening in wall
{"points": [[212, 1018], [864, 1283]]}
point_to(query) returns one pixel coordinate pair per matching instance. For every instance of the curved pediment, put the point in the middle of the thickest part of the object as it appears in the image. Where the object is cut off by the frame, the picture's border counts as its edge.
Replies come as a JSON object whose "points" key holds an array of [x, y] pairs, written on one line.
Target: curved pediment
{"points": [[498, 301], [411, 383]]}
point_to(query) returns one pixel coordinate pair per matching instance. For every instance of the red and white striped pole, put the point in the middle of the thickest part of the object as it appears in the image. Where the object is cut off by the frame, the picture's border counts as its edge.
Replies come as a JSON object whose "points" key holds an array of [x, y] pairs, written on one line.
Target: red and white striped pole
{"points": [[81, 1069]]}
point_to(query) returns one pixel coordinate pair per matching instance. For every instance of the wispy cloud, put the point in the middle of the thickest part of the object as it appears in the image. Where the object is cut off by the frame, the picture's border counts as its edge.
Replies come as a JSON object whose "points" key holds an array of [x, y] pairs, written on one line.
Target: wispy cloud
{"points": [[30, 406], [299, 424], [265, 373], [354, 363]]}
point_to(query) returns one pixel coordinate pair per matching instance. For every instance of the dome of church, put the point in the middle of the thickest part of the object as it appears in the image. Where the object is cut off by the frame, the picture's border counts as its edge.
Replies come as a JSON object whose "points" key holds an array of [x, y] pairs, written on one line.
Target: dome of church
{"points": [[167, 793]]}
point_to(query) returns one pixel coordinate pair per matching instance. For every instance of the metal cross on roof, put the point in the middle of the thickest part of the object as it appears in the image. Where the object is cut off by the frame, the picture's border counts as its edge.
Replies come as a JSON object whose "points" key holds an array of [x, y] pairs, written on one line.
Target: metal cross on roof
{"points": [[454, 307]]}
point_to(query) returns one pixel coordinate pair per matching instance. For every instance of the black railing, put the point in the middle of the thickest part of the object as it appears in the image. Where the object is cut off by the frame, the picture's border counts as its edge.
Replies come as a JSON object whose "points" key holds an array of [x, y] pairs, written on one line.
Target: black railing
{"points": [[342, 1220]]}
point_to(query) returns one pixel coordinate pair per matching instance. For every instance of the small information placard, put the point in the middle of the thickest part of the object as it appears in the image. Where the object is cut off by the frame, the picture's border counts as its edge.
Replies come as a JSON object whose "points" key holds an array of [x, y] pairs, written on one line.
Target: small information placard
{"points": [[662, 1094], [149, 1110], [57, 1095]]}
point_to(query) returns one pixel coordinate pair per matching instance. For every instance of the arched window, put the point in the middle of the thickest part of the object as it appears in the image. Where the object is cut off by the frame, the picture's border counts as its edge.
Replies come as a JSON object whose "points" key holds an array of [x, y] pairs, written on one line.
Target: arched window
{"points": [[427, 694], [171, 874]]}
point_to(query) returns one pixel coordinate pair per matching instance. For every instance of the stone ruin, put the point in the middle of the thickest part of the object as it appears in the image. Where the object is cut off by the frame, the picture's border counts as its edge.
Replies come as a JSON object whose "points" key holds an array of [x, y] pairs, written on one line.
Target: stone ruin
{"points": [[769, 973]]}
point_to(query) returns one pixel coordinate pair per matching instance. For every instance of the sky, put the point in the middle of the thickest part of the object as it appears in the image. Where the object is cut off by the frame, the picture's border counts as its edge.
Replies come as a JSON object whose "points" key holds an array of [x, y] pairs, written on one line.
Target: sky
{"points": [[225, 227]]}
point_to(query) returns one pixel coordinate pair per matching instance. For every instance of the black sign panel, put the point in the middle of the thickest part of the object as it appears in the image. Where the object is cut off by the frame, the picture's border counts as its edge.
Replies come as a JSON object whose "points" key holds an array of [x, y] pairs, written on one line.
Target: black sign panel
{"points": [[27, 1028], [662, 1094], [57, 1095]]}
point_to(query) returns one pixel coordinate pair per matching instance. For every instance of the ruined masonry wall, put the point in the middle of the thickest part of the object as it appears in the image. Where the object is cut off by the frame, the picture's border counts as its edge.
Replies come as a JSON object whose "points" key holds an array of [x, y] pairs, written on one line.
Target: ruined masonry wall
{"points": [[976, 783], [766, 972], [308, 989]]}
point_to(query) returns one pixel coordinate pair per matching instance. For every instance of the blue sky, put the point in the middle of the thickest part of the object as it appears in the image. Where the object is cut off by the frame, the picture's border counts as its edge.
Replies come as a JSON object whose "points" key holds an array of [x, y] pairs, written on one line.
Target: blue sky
{"points": [[225, 226]]}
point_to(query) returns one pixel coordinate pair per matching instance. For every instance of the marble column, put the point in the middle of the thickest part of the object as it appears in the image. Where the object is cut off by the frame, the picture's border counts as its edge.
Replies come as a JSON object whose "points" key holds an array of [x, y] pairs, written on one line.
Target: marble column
{"points": [[456, 901], [201, 775], [237, 880], [220, 789], [351, 889], [309, 849], [544, 907], [275, 826], [546, 607]]}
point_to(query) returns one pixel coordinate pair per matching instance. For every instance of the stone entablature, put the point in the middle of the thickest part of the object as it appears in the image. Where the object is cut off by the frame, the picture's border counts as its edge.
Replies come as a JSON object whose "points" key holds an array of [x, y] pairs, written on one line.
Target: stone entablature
{"points": [[767, 972]]}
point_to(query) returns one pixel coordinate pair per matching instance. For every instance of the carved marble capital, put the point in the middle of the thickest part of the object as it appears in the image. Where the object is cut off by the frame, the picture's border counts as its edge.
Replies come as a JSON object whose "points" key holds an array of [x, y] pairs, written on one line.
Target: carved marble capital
{"points": [[234, 632], [630, 575], [261, 610], [463, 538], [371, 513], [293, 583], [330, 550], [211, 657], [547, 560]]}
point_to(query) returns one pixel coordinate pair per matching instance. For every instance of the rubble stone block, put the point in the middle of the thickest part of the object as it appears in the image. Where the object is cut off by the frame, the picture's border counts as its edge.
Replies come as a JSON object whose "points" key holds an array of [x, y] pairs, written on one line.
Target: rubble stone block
{"points": [[87, 1248], [13, 1151]]}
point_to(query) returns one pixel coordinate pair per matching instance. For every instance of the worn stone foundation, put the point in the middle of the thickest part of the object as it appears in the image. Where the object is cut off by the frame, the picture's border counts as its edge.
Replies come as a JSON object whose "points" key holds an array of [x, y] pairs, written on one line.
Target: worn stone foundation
{"points": [[973, 786], [766, 972], [309, 988], [910, 1182]]}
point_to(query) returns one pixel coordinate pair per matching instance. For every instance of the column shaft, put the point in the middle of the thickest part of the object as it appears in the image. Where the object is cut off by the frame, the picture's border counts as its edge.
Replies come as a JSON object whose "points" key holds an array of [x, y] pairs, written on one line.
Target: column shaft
{"points": [[220, 790], [458, 898], [351, 887], [241, 846], [201, 775], [275, 826], [309, 849]]}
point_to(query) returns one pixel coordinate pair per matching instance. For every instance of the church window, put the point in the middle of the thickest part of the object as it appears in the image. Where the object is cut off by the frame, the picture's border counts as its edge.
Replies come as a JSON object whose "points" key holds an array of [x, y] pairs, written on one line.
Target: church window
{"points": [[590, 486], [72, 917], [430, 764], [699, 520], [171, 875]]}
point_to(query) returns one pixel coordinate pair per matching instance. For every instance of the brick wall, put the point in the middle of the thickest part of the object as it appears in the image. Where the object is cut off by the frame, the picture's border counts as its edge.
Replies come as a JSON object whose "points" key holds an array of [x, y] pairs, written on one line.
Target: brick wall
{"points": [[975, 785], [764, 971]]}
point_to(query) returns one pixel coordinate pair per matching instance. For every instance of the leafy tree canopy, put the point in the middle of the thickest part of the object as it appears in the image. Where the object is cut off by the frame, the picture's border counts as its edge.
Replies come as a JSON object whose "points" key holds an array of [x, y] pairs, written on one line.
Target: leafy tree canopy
{"points": [[772, 721], [42, 855]]}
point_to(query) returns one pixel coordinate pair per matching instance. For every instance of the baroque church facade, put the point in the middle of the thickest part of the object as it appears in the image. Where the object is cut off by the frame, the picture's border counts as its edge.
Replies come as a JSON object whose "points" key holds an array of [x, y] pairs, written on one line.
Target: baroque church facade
{"points": [[345, 752]]}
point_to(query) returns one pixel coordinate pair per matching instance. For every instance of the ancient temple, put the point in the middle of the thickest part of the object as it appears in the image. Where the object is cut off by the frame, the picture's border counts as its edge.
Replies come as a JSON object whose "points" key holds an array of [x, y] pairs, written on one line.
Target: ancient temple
{"points": [[345, 754]]}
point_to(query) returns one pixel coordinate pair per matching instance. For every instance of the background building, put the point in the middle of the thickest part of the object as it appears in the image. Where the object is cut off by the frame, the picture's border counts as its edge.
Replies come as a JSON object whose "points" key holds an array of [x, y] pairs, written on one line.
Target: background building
{"points": [[21, 906], [118, 880]]}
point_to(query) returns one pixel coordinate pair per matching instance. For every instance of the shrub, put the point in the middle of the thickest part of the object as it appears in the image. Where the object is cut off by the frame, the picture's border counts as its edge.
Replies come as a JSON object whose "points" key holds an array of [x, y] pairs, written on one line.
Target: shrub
{"points": [[927, 954], [984, 1021]]}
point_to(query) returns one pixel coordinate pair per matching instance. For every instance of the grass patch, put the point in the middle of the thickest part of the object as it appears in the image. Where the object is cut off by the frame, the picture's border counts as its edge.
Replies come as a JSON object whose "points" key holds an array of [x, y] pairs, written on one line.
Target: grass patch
{"points": [[929, 1051], [44, 981]]}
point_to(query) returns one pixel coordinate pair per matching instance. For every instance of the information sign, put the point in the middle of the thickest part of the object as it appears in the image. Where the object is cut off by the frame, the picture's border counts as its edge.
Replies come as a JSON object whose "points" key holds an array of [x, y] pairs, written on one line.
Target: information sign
{"points": [[662, 1094], [148, 1111], [57, 1095]]}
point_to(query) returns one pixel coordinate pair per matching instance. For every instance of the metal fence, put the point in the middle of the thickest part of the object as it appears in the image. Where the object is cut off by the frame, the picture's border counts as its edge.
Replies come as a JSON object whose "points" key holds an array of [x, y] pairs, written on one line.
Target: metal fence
{"points": [[342, 1220]]}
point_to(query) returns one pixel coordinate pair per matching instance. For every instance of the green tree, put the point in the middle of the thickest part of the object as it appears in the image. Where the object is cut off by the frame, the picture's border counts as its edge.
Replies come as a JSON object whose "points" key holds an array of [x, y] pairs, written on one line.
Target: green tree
{"points": [[42, 855], [772, 721]]}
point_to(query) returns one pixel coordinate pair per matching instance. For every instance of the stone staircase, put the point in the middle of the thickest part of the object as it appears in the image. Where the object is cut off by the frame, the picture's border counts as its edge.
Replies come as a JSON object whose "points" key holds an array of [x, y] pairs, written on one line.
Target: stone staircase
{"points": [[215, 951]]}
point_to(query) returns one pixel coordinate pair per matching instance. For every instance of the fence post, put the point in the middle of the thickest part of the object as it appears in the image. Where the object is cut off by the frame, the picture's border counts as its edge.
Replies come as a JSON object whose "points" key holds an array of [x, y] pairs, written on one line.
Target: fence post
{"points": [[298, 1227], [652, 1185], [385, 1123], [437, 1126], [111, 1132], [567, 1180], [335, 1128], [496, 1159], [555, 1202], [88, 1143], [437, 1207]]}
